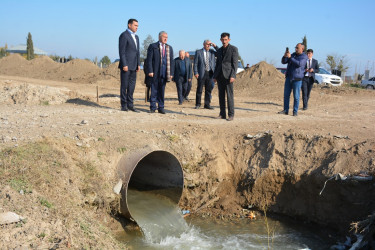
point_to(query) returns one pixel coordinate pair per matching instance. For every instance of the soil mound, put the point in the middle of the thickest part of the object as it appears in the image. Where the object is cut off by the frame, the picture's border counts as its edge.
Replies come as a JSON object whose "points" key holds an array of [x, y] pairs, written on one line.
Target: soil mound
{"points": [[24, 93], [78, 70], [258, 76], [13, 64]]}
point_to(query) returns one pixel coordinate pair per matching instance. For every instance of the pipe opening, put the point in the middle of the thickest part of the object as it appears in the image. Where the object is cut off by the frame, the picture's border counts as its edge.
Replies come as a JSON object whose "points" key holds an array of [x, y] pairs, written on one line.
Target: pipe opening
{"points": [[156, 171]]}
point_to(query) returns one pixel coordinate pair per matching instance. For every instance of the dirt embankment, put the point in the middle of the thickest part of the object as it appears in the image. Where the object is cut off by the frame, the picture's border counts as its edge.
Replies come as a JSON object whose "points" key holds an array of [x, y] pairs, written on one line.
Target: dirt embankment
{"points": [[60, 149]]}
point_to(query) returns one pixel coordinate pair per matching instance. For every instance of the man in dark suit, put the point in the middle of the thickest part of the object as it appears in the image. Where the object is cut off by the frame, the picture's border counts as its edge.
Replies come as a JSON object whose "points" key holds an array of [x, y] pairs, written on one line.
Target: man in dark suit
{"points": [[129, 64], [160, 68], [225, 75], [311, 68], [182, 75], [204, 66]]}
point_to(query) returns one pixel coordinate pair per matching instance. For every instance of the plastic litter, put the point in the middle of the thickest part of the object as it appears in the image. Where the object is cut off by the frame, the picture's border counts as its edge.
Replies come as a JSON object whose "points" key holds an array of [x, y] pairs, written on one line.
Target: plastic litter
{"points": [[337, 177]]}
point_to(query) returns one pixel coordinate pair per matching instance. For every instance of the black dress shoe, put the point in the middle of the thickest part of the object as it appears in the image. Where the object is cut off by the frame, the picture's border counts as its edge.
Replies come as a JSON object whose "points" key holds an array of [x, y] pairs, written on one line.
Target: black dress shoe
{"points": [[283, 112], [134, 110], [151, 111], [208, 107], [230, 118], [180, 103], [161, 111], [305, 108], [124, 109], [295, 114], [197, 107]]}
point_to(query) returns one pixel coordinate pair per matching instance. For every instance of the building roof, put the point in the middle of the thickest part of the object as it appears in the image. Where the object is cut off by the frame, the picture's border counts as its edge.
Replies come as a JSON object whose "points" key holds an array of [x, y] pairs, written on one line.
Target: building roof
{"points": [[22, 49]]}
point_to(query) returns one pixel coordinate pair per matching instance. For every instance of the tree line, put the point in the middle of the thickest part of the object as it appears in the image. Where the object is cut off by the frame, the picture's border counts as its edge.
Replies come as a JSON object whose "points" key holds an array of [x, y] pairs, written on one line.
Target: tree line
{"points": [[333, 60]]}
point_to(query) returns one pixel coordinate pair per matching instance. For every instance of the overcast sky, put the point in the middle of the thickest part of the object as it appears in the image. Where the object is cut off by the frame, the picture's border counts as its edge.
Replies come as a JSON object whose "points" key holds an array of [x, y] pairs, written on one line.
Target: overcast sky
{"points": [[260, 29]]}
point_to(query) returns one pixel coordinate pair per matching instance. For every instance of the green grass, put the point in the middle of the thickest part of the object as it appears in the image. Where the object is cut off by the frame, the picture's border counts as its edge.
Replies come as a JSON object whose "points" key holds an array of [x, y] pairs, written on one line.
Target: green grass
{"points": [[45, 203], [101, 139], [121, 150], [20, 184], [44, 103]]}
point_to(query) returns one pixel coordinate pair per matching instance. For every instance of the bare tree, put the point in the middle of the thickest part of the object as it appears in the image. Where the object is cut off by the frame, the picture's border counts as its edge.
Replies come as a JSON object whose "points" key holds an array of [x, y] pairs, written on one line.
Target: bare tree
{"points": [[145, 45], [338, 62]]}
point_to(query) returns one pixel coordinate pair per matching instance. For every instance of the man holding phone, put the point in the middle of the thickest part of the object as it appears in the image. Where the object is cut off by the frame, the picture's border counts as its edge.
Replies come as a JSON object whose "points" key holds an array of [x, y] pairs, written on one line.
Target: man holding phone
{"points": [[293, 77], [311, 68]]}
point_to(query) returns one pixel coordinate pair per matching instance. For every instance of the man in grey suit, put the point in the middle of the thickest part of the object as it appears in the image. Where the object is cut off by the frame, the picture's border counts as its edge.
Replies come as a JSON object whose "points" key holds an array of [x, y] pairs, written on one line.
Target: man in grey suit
{"points": [[204, 66], [225, 75], [129, 64]]}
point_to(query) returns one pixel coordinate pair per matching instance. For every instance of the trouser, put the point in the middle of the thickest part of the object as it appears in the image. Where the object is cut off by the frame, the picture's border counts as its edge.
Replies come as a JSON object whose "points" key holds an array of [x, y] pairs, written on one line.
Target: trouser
{"points": [[307, 84], [179, 85], [225, 87], [205, 81], [288, 87], [157, 93], [186, 87], [128, 79]]}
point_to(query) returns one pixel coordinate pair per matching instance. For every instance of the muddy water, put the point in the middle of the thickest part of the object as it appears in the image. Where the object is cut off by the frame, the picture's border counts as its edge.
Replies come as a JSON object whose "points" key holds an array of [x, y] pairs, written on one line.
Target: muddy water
{"points": [[163, 227]]}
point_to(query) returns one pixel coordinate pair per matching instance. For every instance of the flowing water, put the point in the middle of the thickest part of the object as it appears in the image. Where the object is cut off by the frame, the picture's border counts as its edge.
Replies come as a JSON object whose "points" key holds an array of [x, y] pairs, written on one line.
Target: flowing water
{"points": [[164, 227]]}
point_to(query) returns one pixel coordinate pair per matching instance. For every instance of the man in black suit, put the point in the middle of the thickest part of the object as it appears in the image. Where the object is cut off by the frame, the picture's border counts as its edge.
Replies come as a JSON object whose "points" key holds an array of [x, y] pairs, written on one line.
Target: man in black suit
{"points": [[311, 68], [129, 64], [182, 75], [204, 66], [160, 68], [225, 75]]}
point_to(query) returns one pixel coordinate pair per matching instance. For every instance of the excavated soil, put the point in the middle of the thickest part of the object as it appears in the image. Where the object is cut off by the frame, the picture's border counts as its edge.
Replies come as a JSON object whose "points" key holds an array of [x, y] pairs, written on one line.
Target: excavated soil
{"points": [[62, 131]]}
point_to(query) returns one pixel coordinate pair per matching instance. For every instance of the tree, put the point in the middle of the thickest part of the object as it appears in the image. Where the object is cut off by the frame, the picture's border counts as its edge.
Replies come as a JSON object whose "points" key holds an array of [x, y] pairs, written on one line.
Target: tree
{"points": [[304, 42], [331, 61], [145, 45], [2, 52], [338, 62], [30, 47], [105, 61], [241, 60]]}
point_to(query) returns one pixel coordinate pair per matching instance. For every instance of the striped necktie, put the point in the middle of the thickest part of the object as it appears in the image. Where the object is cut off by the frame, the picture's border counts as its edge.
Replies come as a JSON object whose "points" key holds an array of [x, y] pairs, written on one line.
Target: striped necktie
{"points": [[207, 62]]}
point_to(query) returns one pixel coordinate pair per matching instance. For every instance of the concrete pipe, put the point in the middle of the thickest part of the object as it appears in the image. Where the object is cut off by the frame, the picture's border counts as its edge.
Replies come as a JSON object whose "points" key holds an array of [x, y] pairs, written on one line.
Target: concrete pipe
{"points": [[146, 170]]}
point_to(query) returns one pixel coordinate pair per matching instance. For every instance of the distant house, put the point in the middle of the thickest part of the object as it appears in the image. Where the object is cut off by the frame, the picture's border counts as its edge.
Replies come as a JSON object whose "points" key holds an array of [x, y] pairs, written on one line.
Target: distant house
{"points": [[22, 49]]}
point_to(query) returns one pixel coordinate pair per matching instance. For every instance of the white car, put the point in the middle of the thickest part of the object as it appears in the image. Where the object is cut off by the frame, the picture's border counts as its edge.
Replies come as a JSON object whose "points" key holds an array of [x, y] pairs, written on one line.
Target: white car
{"points": [[325, 77], [240, 67], [368, 84]]}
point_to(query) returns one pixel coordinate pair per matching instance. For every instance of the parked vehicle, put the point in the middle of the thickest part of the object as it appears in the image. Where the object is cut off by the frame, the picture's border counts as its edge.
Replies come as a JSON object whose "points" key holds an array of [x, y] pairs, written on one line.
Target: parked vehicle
{"points": [[240, 67], [325, 77], [282, 70], [368, 84]]}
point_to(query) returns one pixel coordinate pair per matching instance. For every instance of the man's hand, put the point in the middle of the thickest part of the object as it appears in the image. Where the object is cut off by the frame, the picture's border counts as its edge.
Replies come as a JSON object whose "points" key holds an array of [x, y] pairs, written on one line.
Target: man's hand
{"points": [[138, 68], [189, 80], [125, 68], [196, 76], [151, 74], [232, 80]]}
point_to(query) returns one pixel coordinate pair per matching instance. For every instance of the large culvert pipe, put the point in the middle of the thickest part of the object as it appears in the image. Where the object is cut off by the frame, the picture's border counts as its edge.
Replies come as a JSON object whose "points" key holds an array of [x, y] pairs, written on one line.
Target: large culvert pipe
{"points": [[146, 170]]}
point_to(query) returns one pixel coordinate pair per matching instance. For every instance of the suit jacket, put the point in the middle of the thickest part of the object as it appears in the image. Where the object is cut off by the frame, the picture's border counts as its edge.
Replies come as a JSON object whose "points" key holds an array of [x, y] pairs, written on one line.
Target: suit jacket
{"points": [[129, 53], [199, 62], [314, 65], [152, 63], [227, 64], [188, 73]]}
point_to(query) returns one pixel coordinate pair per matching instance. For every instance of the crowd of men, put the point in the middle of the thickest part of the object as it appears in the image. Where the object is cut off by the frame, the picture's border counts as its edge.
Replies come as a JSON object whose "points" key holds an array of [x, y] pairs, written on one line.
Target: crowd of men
{"points": [[211, 65]]}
